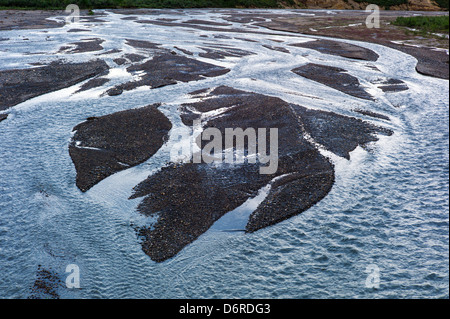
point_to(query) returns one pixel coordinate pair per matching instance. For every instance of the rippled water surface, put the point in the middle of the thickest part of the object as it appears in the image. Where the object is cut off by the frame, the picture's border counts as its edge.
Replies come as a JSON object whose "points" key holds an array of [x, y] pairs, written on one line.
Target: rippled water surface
{"points": [[389, 205]]}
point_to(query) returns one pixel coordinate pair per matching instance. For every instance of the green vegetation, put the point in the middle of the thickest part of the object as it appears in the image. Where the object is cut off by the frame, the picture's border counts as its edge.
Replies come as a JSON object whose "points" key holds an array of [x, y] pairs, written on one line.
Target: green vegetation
{"points": [[442, 3], [100, 4], [436, 24]]}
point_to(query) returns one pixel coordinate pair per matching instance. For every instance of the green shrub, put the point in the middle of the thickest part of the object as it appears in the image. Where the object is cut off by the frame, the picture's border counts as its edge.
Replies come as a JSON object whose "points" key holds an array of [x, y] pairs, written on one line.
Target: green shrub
{"points": [[442, 3], [425, 23]]}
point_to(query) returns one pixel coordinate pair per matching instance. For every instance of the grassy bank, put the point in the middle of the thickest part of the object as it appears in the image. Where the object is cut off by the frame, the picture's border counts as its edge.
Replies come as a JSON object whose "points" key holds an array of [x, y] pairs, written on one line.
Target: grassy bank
{"points": [[437, 24], [101, 4]]}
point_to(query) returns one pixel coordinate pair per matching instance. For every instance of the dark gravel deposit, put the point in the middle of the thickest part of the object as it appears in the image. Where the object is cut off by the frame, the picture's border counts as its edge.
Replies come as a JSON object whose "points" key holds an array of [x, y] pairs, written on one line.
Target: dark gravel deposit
{"points": [[17, 86], [87, 45], [340, 48], [393, 85], [333, 77], [189, 198], [105, 145], [46, 285], [167, 69], [94, 83]]}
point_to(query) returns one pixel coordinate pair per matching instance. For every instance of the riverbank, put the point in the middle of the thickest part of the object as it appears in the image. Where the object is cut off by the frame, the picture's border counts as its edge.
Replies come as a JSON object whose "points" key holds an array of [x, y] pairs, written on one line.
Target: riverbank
{"points": [[421, 5]]}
